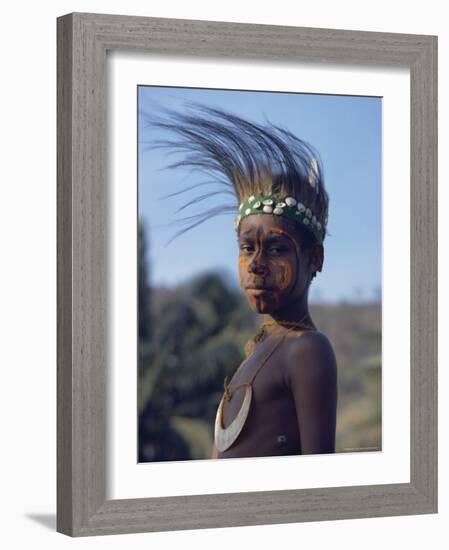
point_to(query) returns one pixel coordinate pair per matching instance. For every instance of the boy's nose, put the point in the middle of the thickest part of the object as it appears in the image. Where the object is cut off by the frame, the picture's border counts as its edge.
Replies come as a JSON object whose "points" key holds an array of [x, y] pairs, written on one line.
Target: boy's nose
{"points": [[256, 266]]}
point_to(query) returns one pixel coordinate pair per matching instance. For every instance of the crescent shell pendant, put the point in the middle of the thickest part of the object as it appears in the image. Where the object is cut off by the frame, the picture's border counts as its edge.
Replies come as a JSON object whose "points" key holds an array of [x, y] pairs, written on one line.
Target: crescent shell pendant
{"points": [[225, 437]]}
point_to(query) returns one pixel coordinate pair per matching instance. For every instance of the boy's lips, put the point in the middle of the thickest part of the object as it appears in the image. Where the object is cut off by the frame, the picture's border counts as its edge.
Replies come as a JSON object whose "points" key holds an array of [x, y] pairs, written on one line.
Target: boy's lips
{"points": [[258, 289]]}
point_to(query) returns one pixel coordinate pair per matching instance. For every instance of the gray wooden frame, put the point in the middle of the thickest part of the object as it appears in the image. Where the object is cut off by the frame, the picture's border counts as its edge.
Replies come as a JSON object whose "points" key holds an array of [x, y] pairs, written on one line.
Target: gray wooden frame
{"points": [[83, 40]]}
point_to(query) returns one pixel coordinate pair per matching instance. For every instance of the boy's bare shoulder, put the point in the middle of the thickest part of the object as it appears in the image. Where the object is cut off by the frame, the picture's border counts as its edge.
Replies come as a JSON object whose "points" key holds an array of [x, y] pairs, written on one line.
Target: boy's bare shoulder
{"points": [[310, 355]]}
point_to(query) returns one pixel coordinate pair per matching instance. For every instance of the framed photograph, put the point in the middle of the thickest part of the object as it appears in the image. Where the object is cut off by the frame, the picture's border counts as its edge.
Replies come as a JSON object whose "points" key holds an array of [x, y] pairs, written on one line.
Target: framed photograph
{"points": [[247, 270]]}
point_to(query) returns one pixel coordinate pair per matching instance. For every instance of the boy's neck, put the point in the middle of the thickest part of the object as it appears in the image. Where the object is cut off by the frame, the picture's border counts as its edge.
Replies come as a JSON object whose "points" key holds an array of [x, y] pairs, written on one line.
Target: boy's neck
{"points": [[298, 312]]}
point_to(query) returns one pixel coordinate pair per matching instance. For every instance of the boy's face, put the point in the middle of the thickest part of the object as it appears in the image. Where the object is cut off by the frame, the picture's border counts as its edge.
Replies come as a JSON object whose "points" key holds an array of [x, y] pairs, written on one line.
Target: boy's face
{"points": [[273, 269]]}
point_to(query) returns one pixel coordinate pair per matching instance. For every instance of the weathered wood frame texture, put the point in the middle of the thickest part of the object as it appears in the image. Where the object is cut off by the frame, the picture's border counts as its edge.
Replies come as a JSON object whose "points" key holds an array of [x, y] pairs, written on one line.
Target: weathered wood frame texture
{"points": [[83, 40]]}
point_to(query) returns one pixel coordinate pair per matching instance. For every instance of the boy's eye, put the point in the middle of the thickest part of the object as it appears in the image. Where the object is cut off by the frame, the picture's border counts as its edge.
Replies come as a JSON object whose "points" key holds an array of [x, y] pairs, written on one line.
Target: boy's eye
{"points": [[277, 249], [274, 249]]}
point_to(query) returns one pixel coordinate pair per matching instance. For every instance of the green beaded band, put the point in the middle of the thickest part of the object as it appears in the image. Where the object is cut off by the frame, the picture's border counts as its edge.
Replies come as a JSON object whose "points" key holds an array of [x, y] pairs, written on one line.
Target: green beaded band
{"points": [[289, 208]]}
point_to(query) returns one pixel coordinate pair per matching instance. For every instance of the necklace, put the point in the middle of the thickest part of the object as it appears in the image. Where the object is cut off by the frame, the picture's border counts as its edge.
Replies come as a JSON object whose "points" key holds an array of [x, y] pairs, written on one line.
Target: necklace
{"points": [[225, 437], [251, 344]]}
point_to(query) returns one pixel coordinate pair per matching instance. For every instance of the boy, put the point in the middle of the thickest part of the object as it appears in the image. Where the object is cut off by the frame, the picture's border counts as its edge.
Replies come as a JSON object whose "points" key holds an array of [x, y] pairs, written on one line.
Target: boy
{"points": [[282, 399]]}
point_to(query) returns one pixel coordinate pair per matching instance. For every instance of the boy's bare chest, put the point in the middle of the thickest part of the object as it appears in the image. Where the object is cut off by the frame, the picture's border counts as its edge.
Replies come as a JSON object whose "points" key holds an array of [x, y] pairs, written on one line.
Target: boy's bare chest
{"points": [[271, 427], [266, 377]]}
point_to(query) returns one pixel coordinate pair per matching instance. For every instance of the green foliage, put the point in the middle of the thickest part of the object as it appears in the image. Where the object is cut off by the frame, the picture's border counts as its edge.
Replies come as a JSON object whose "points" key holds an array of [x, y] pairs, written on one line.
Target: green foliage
{"points": [[199, 331]]}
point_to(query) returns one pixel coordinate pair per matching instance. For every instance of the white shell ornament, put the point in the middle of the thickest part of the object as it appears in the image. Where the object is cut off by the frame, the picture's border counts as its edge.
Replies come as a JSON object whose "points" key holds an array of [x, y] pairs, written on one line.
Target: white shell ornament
{"points": [[281, 205], [305, 221], [247, 211], [268, 202], [309, 213], [252, 198], [300, 207], [241, 206], [225, 437], [267, 209], [290, 201], [257, 204], [278, 211]]}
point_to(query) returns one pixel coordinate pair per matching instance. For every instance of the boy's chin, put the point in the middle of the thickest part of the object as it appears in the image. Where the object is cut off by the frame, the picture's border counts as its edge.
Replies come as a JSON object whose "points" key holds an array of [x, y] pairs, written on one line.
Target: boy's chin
{"points": [[262, 307]]}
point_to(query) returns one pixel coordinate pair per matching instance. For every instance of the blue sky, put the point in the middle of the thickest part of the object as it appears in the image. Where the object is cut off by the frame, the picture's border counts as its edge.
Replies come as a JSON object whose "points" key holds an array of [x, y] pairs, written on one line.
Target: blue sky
{"points": [[346, 130]]}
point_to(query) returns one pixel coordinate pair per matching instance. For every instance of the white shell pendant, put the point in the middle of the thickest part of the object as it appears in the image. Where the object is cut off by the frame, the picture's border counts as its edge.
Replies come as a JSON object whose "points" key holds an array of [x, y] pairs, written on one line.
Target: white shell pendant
{"points": [[225, 437]]}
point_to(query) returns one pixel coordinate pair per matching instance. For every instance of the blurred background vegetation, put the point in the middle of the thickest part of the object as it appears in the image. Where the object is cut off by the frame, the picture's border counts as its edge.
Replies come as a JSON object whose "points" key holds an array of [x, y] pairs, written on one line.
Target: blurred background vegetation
{"points": [[192, 336]]}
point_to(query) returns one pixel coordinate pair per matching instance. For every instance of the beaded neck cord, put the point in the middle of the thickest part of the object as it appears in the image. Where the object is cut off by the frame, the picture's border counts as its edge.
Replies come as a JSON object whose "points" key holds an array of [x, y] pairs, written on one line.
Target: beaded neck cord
{"points": [[249, 348]]}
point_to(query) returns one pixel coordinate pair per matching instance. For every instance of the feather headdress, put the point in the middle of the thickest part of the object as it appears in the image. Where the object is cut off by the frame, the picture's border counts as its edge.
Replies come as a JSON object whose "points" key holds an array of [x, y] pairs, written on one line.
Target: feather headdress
{"points": [[264, 168]]}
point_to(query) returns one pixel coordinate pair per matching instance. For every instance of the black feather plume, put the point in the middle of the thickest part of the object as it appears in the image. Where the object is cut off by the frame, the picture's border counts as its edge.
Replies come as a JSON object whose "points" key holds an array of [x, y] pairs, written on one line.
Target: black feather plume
{"points": [[240, 158]]}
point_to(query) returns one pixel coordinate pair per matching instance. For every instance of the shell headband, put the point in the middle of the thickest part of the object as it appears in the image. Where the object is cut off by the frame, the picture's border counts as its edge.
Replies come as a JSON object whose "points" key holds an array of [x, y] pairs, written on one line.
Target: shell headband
{"points": [[288, 207]]}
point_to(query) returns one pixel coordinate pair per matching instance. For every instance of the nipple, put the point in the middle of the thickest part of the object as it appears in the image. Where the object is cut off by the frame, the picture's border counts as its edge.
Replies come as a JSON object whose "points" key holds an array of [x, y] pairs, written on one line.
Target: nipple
{"points": [[281, 439]]}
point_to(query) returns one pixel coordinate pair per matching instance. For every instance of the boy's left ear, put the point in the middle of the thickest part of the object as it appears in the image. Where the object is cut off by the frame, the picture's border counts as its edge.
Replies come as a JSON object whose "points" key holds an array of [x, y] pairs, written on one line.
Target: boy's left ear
{"points": [[317, 258]]}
